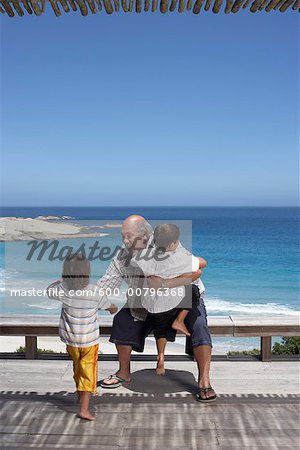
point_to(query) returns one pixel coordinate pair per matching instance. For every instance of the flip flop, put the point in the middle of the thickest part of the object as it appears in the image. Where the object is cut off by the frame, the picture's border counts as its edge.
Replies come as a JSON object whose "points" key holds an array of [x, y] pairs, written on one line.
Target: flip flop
{"points": [[207, 399], [119, 383]]}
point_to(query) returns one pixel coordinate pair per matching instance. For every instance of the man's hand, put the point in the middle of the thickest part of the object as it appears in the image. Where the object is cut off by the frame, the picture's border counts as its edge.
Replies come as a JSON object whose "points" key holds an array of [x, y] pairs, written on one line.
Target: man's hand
{"points": [[112, 309], [202, 262]]}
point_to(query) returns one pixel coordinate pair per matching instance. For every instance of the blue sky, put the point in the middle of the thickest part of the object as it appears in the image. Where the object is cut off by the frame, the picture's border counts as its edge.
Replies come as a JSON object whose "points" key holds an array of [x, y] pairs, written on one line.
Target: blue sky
{"points": [[150, 109]]}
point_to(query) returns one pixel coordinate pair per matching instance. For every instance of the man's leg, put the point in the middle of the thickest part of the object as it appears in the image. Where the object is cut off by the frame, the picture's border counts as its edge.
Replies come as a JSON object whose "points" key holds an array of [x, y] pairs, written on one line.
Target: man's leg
{"points": [[202, 354], [127, 335], [196, 322], [124, 355]]}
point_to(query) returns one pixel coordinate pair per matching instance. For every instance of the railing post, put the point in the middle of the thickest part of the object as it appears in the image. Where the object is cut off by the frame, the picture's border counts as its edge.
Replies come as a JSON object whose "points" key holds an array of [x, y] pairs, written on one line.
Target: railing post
{"points": [[266, 348], [188, 346], [31, 347]]}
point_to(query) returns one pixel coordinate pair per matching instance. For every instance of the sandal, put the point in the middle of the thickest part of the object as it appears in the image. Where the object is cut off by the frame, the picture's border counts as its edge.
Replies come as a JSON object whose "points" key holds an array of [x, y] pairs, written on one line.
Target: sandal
{"points": [[119, 383], [204, 391]]}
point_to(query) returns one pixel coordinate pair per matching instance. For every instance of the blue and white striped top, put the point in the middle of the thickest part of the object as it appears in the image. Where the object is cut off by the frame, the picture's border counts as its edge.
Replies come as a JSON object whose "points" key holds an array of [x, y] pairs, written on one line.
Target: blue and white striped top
{"points": [[78, 325]]}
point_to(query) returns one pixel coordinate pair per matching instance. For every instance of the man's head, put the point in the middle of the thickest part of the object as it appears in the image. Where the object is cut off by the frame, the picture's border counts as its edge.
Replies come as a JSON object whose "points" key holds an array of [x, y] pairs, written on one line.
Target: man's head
{"points": [[136, 232], [166, 236]]}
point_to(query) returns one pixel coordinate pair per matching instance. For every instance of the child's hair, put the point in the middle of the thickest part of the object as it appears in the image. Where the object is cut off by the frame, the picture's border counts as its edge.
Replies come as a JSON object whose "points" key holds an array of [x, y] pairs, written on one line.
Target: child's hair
{"points": [[76, 271], [166, 234]]}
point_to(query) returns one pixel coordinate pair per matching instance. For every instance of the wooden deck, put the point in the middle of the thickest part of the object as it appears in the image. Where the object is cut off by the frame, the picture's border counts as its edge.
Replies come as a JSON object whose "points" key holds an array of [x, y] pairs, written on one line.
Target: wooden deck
{"points": [[257, 408]]}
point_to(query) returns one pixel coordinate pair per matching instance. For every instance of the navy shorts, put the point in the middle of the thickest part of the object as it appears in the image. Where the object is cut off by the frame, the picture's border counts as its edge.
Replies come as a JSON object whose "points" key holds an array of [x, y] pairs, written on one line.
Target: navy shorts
{"points": [[127, 331], [196, 322]]}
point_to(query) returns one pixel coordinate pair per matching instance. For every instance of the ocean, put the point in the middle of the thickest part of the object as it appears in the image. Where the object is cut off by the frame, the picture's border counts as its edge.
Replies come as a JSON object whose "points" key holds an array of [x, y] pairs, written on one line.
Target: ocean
{"points": [[252, 254]]}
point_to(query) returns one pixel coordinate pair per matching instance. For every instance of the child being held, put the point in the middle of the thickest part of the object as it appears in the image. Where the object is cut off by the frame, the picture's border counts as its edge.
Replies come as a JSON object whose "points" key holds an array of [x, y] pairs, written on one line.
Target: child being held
{"points": [[78, 326], [167, 311]]}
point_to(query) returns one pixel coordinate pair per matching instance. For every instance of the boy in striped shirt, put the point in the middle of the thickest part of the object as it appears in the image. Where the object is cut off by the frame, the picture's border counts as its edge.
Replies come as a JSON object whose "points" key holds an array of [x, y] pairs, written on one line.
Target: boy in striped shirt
{"points": [[78, 326]]}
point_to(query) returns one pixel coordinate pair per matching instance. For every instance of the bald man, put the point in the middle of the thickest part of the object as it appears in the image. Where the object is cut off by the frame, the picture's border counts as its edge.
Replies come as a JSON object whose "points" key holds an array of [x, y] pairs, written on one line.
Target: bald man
{"points": [[130, 327]]}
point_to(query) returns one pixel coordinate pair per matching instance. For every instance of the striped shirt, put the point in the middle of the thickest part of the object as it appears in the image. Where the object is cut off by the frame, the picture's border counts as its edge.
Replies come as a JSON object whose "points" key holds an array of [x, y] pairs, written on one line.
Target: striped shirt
{"points": [[78, 325], [121, 270]]}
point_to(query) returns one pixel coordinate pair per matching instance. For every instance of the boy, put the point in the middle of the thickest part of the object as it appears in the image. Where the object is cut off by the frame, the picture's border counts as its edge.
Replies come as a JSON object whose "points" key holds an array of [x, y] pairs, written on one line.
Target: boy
{"points": [[78, 327], [167, 308]]}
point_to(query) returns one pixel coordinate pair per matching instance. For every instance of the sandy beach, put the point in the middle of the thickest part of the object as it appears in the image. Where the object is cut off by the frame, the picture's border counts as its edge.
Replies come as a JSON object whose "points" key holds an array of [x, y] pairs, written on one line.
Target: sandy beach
{"points": [[11, 343]]}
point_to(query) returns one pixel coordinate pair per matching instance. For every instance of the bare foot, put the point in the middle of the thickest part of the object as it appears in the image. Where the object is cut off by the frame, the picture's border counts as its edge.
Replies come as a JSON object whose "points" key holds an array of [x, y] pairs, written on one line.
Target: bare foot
{"points": [[160, 371], [86, 415], [180, 326], [160, 368]]}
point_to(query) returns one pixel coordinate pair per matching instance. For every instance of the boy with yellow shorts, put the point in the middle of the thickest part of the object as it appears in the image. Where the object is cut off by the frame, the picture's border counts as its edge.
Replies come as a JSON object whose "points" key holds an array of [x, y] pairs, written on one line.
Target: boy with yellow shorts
{"points": [[78, 326]]}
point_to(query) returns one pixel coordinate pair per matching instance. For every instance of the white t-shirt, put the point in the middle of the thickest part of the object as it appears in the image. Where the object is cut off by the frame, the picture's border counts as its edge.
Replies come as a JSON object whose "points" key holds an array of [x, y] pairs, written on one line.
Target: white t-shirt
{"points": [[176, 263]]}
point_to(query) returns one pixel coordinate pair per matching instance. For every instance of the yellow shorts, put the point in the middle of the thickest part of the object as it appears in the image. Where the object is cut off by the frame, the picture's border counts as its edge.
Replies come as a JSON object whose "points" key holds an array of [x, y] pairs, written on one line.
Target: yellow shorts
{"points": [[85, 367]]}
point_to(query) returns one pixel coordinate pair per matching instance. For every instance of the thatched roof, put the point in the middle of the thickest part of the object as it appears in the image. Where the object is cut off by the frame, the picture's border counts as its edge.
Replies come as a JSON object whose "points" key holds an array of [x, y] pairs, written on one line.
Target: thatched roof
{"points": [[38, 7]]}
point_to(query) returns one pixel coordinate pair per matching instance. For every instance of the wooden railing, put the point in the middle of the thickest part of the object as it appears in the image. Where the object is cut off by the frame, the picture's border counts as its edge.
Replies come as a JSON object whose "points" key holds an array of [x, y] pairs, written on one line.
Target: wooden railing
{"points": [[240, 326]]}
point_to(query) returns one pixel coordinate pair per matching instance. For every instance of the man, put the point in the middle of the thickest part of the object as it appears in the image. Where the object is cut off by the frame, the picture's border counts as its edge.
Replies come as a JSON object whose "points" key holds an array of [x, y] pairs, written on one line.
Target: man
{"points": [[129, 325]]}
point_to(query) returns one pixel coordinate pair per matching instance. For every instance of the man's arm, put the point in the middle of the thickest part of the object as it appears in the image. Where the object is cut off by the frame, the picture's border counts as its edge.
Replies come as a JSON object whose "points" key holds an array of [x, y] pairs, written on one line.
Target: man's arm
{"points": [[182, 280], [112, 278]]}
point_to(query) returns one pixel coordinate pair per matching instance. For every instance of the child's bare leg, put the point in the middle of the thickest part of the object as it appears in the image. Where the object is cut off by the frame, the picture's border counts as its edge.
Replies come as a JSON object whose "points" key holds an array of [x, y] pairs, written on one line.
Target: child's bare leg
{"points": [[78, 396], [179, 324], [161, 345], [84, 412]]}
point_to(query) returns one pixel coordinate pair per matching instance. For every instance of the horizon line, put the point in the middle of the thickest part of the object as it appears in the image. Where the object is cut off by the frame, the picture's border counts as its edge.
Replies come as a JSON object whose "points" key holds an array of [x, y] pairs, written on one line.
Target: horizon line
{"points": [[151, 206]]}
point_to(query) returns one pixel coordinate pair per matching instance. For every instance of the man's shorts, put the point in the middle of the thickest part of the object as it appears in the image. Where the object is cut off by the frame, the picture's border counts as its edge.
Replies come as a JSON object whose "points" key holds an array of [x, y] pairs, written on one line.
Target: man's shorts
{"points": [[196, 322], [127, 331]]}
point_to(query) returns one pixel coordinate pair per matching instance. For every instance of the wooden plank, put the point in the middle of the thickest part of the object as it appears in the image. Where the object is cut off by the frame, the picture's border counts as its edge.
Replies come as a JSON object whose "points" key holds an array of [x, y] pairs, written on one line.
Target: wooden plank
{"points": [[250, 437], [228, 6], [7, 8], [197, 6], [263, 5], [246, 4], [296, 5], [17, 7], [27, 6], [237, 5], [181, 6], [164, 6], [286, 5], [255, 5], [266, 331], [217, 6], [265, 326]]}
